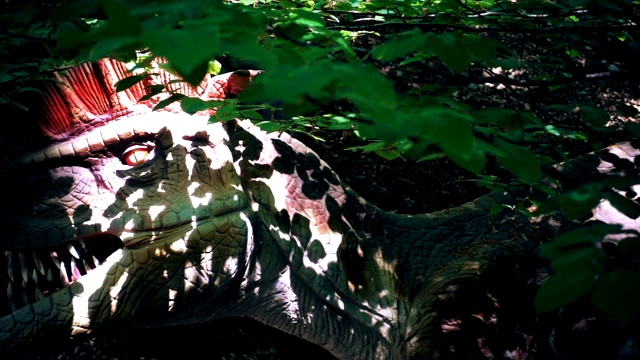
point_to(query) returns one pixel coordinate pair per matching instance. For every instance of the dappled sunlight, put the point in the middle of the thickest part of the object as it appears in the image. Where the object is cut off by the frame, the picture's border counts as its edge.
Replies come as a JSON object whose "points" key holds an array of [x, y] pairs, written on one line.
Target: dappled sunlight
{"points": [[116, 290], [91, 283]]}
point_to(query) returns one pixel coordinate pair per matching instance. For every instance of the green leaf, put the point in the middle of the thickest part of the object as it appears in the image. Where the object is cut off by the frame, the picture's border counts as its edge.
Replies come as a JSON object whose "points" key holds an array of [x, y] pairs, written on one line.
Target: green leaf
{"points": [[226, 112], [589, 259], [481, 48], [153, 90], [630, 248], [120, 31], [168, 101], [399, 45], [574, 203], [497, 116], [188, 50], [633, 128], [451, 130], [618, 294], [128, 82], [450, 49], [563, 288], [628, 207], [306, 17], [595, 117], [251, 114], [192, 105], [520, 161], [585, 237], [341, 123]]}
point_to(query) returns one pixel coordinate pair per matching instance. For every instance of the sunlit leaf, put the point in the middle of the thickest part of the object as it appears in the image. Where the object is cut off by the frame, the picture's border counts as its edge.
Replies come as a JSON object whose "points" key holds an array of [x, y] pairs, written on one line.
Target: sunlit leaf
{"points": [[192, 105], [227, 112]]}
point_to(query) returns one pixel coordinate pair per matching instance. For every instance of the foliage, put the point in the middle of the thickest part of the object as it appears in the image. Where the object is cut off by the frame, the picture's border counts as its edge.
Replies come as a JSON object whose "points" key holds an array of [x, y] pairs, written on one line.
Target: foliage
{"points": [[323, 63]]}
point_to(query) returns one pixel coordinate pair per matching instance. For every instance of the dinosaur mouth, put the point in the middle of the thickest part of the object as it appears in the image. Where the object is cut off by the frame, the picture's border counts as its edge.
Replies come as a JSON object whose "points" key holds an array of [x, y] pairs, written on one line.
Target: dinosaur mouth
{"points": [[33, 275]]}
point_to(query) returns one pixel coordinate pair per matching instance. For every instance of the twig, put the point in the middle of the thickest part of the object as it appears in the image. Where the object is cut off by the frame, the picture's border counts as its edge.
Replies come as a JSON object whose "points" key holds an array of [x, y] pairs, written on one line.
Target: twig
{"points": [[555, 30]]}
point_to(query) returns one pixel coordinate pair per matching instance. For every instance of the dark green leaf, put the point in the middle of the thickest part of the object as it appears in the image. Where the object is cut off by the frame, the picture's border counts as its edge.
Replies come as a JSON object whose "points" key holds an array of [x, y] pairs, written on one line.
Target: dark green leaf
{"points": [[628, 207], [618, 294], [120, 31], [520, 161], [168, 101], [449, 48], [128, 82], [633, 128], [627, 110], [580, 259], [574, 203], [481, 48], [563, 288], [595, 117], [630, 248], [153, 91], [497, 116], [622, 182], [399, 45], [581, 238], [188, 50]]}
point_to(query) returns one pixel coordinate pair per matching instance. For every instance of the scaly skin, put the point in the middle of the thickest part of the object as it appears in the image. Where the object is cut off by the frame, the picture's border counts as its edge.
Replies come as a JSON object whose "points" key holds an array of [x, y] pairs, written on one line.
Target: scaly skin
{"points": [[226, 220]]}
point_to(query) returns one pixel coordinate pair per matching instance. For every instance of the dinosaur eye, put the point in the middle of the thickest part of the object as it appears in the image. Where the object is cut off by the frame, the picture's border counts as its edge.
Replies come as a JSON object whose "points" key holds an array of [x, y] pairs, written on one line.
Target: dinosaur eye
{"points": [[136, 154]]}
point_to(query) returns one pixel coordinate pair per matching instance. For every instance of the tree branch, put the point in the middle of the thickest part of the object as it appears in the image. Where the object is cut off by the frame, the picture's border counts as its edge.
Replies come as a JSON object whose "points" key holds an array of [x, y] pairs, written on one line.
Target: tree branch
{"points": [[443, 27]]}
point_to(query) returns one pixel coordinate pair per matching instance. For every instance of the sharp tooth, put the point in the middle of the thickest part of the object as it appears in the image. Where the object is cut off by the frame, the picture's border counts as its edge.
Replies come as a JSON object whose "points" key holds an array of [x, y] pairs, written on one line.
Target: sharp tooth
{"points": [[73, 251], [10, 297], [54, 257], [34, 277], [9, 256], [49, 276], [88, 267], [63, 275], [75, 271], [95, 260], [82, 244], [38, 262], [23, 268]]}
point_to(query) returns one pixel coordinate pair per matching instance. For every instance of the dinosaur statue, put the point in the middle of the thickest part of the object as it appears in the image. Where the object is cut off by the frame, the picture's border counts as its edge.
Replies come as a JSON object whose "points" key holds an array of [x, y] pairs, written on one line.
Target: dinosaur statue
{"points": [[123, 216]]}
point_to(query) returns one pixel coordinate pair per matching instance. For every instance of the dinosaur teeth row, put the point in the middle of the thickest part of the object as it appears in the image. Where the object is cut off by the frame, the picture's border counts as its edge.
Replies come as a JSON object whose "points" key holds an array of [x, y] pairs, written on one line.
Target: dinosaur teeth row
{"points": [[31, 276]]}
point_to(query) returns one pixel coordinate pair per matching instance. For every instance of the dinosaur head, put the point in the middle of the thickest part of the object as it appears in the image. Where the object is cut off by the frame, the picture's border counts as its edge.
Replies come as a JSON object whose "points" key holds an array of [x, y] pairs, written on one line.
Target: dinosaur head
{"points": [[114, 174]]}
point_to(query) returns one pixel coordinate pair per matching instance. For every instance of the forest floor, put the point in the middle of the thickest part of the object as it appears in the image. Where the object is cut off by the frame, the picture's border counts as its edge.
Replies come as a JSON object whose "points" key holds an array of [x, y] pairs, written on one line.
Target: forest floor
{"points": [[399, 185]]}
